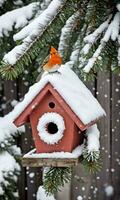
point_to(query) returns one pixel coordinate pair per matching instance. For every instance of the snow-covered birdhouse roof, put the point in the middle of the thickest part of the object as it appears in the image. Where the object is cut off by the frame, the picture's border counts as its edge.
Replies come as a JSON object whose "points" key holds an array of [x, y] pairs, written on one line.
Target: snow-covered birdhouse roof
{"points": [[76, 95]]}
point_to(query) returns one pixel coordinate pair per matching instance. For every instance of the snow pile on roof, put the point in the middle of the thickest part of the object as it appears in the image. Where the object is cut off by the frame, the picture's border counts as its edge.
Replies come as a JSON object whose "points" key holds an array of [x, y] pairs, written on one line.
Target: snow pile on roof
{"points": [[7, 166], [72, 90], [41, 195]]}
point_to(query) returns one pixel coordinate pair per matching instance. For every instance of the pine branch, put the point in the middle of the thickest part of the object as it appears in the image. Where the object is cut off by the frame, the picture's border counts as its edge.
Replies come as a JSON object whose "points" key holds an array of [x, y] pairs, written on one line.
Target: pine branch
{"points": [[91, 161], [13, 20], [96, 13], [9, 185], [30, 50], [93, 51], [55, 178]]}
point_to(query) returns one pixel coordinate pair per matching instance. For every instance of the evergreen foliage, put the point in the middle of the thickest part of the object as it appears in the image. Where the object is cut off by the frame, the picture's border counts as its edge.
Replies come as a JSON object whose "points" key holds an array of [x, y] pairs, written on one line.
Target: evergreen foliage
{"points": [[91, 14], [91, 161], [76, 30], [55, 178]]}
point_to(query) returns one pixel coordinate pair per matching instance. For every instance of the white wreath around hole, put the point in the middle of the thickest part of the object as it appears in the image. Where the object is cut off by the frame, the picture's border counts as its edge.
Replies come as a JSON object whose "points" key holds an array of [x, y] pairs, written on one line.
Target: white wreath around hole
{"points": [[42, 130]]}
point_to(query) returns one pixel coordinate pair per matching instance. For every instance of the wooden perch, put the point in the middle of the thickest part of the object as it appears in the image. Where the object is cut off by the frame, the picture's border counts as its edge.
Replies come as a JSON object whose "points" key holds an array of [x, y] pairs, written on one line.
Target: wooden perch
{"points": [[32, 159], [49, 162]]}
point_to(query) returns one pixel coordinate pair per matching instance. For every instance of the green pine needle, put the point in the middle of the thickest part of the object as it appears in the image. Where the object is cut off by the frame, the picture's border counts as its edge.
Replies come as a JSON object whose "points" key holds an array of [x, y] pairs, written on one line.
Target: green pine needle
{"points": [[92, 166], [92, 161], [10, 72], [55, 178]]}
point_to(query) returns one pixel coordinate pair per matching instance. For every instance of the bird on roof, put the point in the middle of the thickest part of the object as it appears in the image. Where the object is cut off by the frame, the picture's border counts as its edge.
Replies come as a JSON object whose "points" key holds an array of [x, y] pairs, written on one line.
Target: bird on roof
{"points": [[53, 62]]}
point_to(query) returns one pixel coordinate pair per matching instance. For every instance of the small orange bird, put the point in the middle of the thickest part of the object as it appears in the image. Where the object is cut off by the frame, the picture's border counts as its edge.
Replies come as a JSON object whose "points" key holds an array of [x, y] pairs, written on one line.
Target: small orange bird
{"points": [[54, 61]]}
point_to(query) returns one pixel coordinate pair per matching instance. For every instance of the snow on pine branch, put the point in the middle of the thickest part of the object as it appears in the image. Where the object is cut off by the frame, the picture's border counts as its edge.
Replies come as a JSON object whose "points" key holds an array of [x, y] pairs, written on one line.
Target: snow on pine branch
{"points": [[110, 29], [39, 22], [7, 128], [92, 38], [33, 30], [93, 135], [75, 53], [76, 50], [66, 32], [94, 58], [16, 18], [8, 166], [91, 152]]}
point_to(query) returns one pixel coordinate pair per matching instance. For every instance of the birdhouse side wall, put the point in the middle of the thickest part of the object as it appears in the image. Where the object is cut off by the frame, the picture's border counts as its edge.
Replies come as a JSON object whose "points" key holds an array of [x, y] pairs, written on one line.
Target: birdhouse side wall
{"points": [[66, 143], [78, 136]]}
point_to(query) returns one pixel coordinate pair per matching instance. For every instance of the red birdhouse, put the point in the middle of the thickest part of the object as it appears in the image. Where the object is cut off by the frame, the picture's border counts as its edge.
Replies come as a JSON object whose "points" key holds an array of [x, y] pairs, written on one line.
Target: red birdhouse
{"points": [[59, 108]]}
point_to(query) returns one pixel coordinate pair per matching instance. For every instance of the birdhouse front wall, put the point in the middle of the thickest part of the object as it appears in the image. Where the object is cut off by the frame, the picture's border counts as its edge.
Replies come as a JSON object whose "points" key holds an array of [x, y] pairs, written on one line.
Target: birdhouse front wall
{"points": [[71, 138]]}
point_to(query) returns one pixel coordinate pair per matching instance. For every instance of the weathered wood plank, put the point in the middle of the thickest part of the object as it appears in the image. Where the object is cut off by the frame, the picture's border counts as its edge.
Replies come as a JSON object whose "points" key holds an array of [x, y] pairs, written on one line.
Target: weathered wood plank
{"points": [[103, 96], [115, 136], [64, 193], [49, 162]]}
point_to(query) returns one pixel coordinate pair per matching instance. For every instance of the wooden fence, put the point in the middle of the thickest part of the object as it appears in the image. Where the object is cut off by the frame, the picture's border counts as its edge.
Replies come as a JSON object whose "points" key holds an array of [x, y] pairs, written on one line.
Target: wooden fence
{"points": [[107, 90]]}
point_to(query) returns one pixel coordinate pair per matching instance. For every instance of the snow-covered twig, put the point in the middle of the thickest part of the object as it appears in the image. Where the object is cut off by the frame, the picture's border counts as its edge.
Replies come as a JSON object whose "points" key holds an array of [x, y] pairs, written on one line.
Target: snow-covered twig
{"points": [[94, 58], [66, 32], [115, 26], [93, 37], [75, 53], [93, 143], [113, 29]]}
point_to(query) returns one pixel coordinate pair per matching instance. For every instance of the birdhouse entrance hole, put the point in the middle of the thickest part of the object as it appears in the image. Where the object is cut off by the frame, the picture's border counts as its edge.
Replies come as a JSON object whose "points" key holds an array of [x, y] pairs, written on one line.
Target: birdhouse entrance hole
{"points": [[51, 104], [52, 128]]}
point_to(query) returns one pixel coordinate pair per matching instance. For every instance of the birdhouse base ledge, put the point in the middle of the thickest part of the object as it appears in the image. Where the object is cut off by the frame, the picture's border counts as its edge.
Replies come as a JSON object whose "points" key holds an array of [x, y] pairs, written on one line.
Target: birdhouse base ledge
{"points": [[62, 159]]}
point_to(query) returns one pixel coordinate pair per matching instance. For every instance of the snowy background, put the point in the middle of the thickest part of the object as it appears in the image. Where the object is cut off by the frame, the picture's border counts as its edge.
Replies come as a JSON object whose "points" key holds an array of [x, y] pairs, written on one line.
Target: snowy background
{"points": [[106, 88]]}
